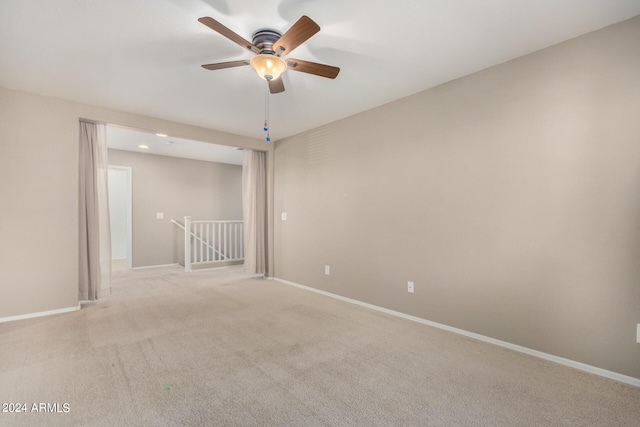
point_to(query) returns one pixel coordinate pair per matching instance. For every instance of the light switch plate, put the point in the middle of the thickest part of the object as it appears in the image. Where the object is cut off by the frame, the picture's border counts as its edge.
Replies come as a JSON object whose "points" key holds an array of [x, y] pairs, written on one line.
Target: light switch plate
{"points": [[327, 270], [159, 215], [284, 216]]}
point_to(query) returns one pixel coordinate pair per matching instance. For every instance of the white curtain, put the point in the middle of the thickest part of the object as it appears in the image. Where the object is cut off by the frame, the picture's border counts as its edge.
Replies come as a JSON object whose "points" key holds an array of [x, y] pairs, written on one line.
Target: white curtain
{"points": [[254, 210], [95, 234]]}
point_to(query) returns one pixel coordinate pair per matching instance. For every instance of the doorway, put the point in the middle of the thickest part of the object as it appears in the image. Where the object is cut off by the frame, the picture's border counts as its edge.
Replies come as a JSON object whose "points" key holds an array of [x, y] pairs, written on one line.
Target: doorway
{"points": [[119, 181]]}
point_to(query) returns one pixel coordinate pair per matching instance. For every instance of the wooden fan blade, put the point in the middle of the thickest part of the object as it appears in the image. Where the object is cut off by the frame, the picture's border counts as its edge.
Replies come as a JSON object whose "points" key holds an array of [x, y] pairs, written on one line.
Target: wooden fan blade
{"points": [[222, 30], [221, 65], [300, 32], [276, 86], [321, 70]]}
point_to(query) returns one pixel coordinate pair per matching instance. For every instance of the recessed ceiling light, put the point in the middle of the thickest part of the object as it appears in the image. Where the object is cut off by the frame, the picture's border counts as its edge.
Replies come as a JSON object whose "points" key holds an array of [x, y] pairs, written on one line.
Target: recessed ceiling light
{"points": [[161, 135], [143, 146]]}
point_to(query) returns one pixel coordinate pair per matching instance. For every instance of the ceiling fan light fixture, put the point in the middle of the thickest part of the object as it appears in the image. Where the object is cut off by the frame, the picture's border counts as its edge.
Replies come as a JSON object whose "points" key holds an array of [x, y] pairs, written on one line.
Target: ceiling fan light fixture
{"points": [[268, 66]]}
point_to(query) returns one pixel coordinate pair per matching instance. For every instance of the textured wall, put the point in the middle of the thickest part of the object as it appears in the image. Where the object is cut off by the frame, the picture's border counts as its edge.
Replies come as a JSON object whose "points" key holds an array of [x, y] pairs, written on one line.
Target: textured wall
{"points": [[511, 197]]}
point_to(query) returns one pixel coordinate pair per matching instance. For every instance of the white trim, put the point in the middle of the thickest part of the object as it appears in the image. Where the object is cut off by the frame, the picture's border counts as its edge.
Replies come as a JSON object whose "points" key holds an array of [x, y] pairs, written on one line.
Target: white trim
{"points": [[222, 267], [550, 357], [39, 314], [144, 267]]}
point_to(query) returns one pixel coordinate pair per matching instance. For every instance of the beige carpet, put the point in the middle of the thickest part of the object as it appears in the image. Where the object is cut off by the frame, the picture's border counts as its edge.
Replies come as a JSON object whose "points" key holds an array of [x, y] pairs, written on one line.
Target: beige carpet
{"points": [[218, 348]]}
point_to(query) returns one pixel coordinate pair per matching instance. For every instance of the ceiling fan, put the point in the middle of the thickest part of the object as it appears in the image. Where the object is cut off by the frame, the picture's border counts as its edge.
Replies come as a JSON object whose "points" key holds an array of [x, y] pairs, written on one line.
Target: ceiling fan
{"points": [[269, 46]]}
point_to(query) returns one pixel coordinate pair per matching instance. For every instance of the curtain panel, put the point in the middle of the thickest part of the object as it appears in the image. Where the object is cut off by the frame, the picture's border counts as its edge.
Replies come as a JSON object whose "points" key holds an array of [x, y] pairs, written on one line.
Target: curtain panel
{"points": [[254, 210], [94, 233]]}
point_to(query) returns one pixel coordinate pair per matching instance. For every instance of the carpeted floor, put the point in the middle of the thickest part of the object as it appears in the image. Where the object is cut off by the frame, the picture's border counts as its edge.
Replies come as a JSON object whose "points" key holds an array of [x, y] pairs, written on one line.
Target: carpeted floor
{"points": [[219, 348]]}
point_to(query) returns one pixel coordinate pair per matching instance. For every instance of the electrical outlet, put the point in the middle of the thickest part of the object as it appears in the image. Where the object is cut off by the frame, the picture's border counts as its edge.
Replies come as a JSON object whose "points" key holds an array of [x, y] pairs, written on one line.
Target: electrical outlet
{"points": [[410, 287], [327, 270]]}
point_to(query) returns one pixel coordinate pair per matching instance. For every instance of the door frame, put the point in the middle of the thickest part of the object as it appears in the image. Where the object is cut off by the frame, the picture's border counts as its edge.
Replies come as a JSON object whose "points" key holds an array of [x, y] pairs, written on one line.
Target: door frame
{"points": [[129, 197]]}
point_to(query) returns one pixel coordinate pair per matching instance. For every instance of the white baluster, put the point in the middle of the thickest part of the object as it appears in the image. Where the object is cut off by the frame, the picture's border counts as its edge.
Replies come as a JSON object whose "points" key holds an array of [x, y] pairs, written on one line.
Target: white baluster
{"points": [[242, 241], [234, 241], [187, 244], [208, 239], [226, 251]]}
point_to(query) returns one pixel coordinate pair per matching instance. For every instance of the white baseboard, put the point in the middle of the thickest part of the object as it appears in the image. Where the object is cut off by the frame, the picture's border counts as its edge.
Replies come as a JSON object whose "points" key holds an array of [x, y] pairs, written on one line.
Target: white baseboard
{"points": [[39, 314], [144, 267], [550, 357], [222, 267]]}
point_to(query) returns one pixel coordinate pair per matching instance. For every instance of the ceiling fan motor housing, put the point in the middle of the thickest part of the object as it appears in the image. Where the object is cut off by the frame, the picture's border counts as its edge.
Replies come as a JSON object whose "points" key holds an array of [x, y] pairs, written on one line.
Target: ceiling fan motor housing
{"points": [[265, 39]]}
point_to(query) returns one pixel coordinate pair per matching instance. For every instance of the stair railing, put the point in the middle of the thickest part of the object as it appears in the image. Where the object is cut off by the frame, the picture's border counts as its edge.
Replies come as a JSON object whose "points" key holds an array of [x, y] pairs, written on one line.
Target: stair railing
{"points": [[212, 242]]}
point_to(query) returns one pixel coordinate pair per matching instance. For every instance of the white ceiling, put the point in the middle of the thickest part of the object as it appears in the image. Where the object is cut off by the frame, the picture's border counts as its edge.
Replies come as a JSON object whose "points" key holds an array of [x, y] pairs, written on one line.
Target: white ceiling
{"points": [[144, 56], [121, 138]]}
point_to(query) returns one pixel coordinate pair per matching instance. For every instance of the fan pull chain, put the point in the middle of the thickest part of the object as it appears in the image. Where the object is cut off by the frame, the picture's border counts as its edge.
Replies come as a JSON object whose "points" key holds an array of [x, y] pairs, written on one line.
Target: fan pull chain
{"points": [[266, 111]]}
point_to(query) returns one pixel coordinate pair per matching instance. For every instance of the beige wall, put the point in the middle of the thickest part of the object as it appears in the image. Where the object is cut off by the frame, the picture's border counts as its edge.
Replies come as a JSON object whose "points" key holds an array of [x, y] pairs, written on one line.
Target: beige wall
{"points": [[511, 197], [39, 194], [176, 187]]}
